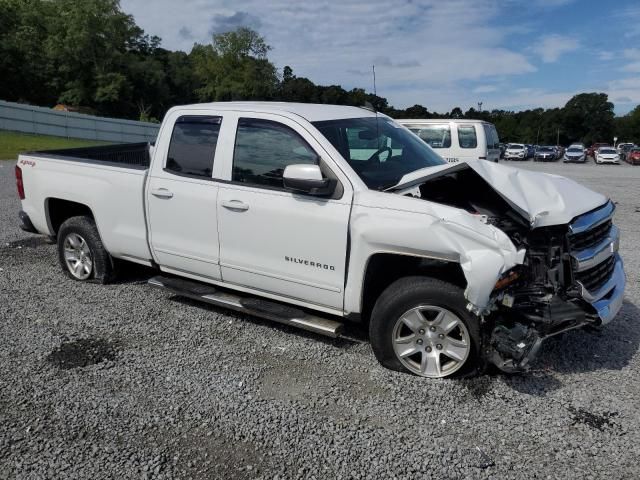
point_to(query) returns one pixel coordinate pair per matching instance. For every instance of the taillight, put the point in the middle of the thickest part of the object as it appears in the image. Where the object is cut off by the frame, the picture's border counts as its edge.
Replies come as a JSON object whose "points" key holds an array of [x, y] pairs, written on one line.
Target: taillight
{"points": [[19, 182]]}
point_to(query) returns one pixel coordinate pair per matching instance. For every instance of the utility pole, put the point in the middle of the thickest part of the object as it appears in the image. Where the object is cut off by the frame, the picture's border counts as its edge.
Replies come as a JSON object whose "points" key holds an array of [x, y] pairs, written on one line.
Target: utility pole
{"points": [[558, 138], [373, 68], [538, 136]]}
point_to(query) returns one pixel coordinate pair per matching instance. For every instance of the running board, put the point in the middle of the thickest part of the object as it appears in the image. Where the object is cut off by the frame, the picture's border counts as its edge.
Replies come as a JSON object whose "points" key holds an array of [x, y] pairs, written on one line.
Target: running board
{"points": [[271, 310]]}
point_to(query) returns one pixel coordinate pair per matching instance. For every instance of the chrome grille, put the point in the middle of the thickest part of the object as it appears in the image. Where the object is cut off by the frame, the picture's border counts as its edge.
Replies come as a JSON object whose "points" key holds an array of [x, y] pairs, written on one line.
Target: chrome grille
{"points": [[590, 238], [594, 278]]}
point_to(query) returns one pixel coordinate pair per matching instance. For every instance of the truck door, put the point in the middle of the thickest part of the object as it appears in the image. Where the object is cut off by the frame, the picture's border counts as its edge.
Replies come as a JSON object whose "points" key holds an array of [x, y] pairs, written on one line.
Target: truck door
{"points": [[181, 198], [272, 239]]}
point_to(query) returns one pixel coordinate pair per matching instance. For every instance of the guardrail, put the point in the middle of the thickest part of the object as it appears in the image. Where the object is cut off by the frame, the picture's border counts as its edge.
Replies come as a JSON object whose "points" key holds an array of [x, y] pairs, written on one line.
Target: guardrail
{"points": [[45, 121]]}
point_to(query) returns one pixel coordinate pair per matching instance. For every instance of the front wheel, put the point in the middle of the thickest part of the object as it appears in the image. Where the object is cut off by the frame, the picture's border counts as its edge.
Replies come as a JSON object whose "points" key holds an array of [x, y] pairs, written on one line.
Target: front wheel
{"points": [[421, 325]]}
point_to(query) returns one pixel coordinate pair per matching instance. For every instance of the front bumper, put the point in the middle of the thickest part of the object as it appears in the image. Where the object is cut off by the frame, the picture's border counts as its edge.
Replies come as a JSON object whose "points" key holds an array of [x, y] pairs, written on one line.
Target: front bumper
{"points": [[607, 300]]}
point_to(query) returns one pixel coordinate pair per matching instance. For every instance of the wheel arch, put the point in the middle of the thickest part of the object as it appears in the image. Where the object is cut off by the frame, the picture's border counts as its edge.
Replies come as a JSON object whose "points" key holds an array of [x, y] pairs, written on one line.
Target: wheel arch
{"points": [[384, 268], [58, 210]]}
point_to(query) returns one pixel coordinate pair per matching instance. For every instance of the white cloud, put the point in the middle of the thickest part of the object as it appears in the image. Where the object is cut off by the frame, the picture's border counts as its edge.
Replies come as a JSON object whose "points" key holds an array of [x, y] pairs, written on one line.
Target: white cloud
{"points": [[553, 3], [426, 46], [552, 47], [605, 55], [485, 89], [633, 67]]}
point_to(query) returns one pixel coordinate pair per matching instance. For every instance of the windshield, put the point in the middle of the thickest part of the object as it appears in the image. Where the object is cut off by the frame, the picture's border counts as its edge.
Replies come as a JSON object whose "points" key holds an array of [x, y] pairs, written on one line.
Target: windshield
{"points": [[381, 152], [574, 150], [545, 149], [607, 150], [514, 146]]}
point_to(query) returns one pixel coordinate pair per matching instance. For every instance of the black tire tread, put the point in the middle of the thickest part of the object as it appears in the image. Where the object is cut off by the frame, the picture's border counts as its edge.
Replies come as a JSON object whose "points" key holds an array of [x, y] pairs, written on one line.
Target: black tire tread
{"points": [[402, 295], [103, 265]]}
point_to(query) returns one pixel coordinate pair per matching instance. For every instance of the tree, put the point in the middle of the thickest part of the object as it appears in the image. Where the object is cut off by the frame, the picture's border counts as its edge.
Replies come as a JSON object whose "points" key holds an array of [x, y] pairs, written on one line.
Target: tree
{"points": [[234, 67], [456, 112], [627, 127], [588, 117]]}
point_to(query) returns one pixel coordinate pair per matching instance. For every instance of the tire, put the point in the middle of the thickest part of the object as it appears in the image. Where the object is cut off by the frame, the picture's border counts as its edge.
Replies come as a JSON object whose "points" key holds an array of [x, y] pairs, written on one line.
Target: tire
{"points": [[430, 306], [79, 245]]}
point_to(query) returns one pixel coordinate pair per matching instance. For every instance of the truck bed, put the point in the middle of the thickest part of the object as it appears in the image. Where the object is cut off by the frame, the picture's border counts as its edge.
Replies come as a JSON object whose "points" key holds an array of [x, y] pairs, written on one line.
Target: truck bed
{"points": [[109, 180], [127, 155]]}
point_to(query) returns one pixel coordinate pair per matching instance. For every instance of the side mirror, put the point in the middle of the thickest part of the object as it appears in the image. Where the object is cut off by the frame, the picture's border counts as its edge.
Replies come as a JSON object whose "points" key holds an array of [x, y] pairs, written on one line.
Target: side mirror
{"points": [[307, 179]]}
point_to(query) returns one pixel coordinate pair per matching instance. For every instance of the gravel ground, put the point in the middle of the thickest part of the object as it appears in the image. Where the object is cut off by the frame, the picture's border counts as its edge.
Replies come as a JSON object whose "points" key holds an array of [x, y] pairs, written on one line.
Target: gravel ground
{"points": [[124, 381]]}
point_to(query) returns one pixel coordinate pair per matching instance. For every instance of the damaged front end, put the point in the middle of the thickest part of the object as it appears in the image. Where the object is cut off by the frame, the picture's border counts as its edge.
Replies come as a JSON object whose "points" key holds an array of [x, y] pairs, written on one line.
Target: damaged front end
{"points": [[571, 275]]}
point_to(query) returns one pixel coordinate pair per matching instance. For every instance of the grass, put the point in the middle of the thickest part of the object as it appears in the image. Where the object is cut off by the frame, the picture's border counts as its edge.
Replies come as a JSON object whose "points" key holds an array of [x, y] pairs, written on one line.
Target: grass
{"points": [[12, 143]]}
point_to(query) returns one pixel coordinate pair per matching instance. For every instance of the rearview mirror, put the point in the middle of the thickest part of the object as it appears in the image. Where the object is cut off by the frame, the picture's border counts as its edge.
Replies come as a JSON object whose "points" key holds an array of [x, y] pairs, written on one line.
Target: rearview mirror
{"points": [[307, 179]]}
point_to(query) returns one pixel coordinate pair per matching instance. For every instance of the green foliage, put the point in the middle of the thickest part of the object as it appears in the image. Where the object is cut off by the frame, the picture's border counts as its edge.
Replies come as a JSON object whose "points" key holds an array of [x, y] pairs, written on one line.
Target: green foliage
{"points": [[90, 53], [12, 143]]}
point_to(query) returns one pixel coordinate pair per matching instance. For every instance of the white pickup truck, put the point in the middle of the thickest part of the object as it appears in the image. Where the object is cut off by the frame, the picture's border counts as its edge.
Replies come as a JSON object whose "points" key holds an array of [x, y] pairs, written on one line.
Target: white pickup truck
{"points": [[313, 215]]}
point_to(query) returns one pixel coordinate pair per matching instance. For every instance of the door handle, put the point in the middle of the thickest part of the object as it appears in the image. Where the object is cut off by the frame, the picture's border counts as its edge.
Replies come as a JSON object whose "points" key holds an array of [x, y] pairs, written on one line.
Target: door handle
{"points": [[235, 205], [161, 193]]}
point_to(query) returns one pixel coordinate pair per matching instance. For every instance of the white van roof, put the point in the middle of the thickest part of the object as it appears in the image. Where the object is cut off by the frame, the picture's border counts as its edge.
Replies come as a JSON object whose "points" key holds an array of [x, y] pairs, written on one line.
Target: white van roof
{"points": [[438, 120]]}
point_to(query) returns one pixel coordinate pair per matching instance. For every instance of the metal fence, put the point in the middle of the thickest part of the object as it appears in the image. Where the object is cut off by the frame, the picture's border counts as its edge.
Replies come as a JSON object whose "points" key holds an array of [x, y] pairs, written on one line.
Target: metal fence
{"points": [[45, 121]]}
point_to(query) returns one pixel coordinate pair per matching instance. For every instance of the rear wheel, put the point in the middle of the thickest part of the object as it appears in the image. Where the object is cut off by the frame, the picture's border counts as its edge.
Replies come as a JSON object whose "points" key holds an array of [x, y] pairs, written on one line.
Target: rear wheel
{"points": [[420, 325], [81, 252]]}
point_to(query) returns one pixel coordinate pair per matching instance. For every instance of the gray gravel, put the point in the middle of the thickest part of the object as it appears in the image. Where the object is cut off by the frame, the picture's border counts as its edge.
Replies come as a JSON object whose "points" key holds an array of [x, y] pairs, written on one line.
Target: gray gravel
{"points": [[123, 381]]}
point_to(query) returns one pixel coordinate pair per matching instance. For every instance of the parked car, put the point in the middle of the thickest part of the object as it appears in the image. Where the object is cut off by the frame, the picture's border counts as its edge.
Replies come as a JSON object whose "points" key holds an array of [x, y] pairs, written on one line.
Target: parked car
{"points": [[531, 151], [579, 145], [559, 151], [575, 153], [515, 151], [633, 156], [624, 150], [607, 155], [315, 215], [545, 154], [457, 140], [621, 147], [591, 151], [503, 148]]}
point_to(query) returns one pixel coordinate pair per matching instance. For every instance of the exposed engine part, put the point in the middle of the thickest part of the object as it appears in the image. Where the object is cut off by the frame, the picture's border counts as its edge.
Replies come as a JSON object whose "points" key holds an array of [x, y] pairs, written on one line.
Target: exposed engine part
{"points": [[513, 348]]}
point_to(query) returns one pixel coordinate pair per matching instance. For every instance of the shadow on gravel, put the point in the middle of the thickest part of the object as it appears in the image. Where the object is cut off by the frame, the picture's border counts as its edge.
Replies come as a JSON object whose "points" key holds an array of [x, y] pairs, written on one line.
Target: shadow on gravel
{"points": [[82, 353], [609, 348], [30, 242], [354, 336], [129, 272]]}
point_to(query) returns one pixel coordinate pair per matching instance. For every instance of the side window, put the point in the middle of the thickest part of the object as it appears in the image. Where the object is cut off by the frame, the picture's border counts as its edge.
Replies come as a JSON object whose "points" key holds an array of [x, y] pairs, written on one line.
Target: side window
{"points": [[467, 136], [438, 136], [264, 148], [193, 145]]}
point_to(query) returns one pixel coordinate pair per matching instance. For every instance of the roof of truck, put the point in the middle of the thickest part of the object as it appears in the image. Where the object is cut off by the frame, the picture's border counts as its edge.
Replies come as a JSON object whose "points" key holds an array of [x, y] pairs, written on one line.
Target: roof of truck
{"points": [[312, 112]]}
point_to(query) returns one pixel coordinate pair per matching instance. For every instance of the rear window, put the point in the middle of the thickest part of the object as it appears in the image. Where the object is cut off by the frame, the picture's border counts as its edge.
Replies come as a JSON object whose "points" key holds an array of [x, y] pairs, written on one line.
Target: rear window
{"points": [[467, 136], [436, 135], [493, 142], [193, 145]]}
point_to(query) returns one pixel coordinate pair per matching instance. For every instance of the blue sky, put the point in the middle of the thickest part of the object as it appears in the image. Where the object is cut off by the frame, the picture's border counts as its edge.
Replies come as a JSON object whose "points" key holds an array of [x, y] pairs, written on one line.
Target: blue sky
{"points": [[511, 54]]}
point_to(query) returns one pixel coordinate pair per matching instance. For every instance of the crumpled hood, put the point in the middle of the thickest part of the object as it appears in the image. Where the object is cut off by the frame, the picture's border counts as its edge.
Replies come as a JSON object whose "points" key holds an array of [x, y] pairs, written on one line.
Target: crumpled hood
{"points": [[544, 199]]}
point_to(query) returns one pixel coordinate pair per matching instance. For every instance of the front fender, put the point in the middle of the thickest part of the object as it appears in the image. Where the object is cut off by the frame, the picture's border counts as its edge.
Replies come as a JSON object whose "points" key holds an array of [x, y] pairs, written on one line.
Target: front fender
{"points": [[408, 226]]}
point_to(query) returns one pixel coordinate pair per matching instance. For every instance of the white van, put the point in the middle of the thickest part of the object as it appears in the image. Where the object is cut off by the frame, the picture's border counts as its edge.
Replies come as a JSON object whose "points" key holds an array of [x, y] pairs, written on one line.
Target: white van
{"points": [[458, 139]]}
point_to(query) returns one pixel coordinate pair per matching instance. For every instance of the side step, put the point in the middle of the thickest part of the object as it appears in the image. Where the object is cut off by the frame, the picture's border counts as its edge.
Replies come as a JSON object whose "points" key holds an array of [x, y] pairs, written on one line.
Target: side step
{"points": [[271, 310]]}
